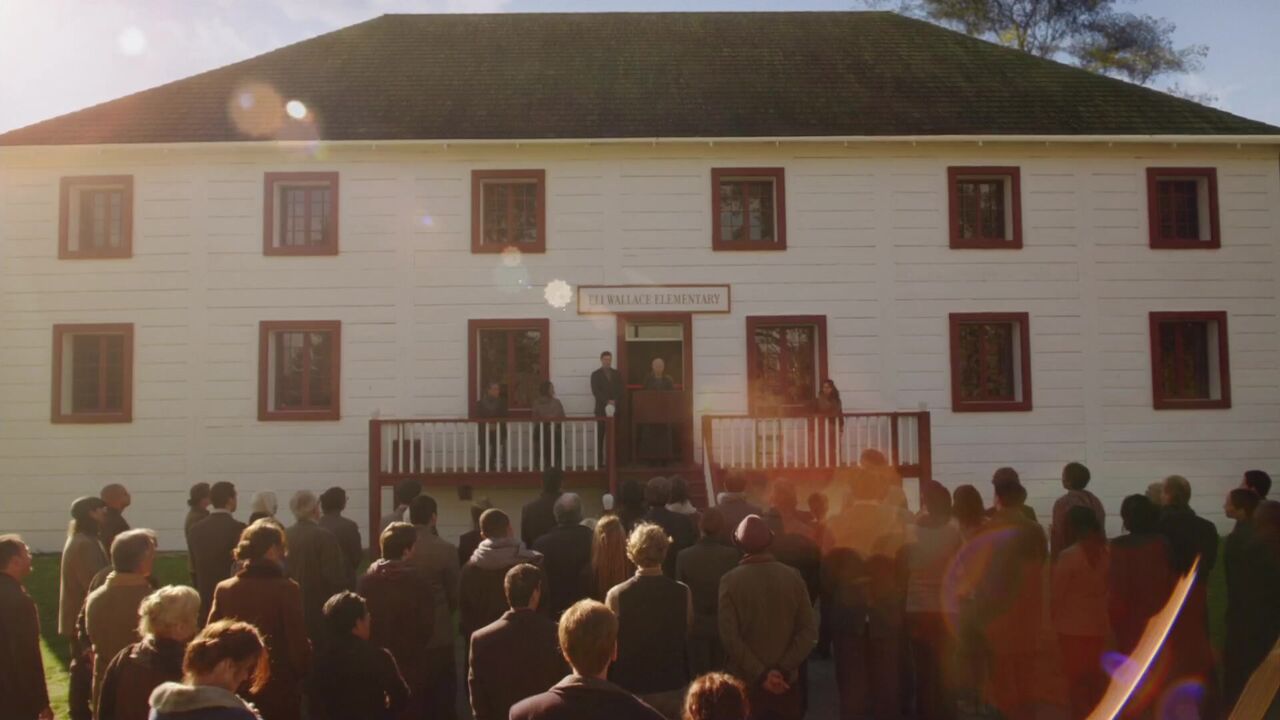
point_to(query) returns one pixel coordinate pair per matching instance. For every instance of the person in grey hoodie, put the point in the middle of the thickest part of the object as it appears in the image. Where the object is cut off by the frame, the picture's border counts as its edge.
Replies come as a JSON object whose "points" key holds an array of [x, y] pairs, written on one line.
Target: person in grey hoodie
{"points": [[481, 598], [223, 657]]}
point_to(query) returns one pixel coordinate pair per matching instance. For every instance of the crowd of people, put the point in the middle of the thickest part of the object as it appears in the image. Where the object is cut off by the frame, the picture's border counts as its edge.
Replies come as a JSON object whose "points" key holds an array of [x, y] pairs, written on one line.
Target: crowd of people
{"points": [[654, 609]]}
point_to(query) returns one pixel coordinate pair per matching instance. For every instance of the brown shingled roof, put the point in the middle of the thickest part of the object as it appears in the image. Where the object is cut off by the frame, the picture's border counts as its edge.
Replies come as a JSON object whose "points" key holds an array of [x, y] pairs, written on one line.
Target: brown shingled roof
{"points": [[642, 75]]}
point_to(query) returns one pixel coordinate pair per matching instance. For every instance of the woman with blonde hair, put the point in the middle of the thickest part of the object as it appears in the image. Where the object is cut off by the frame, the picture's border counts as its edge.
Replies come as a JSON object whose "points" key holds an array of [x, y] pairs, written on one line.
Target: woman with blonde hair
{"points": [[168, 621], [609, 563], [261, 594], [221, 659]]}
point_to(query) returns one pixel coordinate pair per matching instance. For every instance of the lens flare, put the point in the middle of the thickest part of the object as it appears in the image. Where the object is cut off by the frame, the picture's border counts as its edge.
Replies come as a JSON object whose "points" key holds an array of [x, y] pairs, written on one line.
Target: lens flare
{"points": [[256, 109], [296, 109], [558, 293], [132, 41], [512, 257]]}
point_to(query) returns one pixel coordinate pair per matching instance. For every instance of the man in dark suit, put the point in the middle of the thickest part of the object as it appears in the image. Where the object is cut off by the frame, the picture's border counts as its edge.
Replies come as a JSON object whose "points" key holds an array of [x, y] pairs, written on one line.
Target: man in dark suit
{"points": [[701, 567], [538, 516], [566, 553], [606, 388], [332, 502], [589, 641], [678, 527], [22, 685], [515, 656], [734, 505], [210, 542]]}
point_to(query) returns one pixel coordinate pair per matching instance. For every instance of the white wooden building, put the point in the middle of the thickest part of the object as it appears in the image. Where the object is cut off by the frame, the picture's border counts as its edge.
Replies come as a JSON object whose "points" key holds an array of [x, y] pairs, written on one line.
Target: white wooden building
{"points": [[254, 274]]}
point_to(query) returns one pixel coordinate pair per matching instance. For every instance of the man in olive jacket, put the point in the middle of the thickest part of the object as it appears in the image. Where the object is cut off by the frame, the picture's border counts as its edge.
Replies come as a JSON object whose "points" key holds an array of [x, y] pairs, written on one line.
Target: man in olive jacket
{"points": [[767, 624]]}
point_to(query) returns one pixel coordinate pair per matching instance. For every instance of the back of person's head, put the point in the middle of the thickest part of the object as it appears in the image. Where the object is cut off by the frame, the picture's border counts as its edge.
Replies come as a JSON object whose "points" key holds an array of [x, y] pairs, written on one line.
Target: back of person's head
{"points": [[818, 504], [588, 637], [11, 546], [406, 491], [872, 457], [520, 583], [1177, 491], [1010, 493], [568, 509], [1139, 514], [1075, 476], [783, 495], [1259, 481], [657, 491], [937, 499], [1155, 493], [647, 545], [238, 642], [712, 522], [735, 481], [82, 518], [171, 612], [716, 696], [544, 388], [221, 494], [552, 479], [114, 494], [477, 509], [304, 504], [198, 494], [258, 539], [679, 490], [342, 612], [753, 535], [396, 540], [608, 553], [333, 500], [494, 524], [1082, 523], [1245, 500], [264, 502], [130, 549], [1005, 476], [967, 506], [421, 509]]}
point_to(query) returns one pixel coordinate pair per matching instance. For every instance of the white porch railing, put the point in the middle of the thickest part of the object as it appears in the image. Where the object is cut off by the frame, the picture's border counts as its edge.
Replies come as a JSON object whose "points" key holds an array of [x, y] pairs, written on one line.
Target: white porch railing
{"points": [[818, 442]]}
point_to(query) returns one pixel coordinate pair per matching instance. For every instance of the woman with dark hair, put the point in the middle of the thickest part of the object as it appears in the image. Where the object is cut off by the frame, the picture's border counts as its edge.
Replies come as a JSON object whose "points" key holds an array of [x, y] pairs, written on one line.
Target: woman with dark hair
{"points": [[934, 544], [716, 696], [261, 594], [631, 505], [221, 659], [548, 407], [1078, 604], [827, 424], [968, 510]]}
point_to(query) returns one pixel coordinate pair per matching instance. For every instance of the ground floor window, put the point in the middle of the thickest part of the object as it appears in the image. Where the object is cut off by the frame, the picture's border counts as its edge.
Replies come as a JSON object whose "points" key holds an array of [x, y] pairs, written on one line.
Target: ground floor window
{"points": [[786, 363], [990, 362], [299, 370], [93, 373], [512, 353], [1189, 366]]}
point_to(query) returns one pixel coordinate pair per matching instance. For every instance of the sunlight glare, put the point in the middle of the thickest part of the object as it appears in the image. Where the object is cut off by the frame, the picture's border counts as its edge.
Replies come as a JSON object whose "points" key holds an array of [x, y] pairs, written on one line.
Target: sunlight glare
{"points": [[296, 109], [132, 41], [558, 293]]}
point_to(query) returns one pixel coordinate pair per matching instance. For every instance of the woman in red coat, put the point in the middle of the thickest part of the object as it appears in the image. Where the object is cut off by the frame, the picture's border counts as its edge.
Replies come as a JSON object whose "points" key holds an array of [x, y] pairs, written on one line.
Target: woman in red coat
{"points": [[261, 594]]}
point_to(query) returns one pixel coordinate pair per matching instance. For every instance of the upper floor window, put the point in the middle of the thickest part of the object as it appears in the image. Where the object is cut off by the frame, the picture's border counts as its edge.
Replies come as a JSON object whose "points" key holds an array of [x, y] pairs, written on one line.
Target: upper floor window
{"points": [[514, 354], [508, 210], [749, 210], [786, 363], [299, 370], [1182, 207], [92, 373], [1189, 367], [300, 216], [96, 217], [985, 207], [990, 362]]}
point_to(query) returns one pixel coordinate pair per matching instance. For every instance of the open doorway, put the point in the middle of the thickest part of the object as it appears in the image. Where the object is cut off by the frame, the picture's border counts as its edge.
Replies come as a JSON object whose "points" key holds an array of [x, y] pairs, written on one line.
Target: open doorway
{"points": [[656, 425]]}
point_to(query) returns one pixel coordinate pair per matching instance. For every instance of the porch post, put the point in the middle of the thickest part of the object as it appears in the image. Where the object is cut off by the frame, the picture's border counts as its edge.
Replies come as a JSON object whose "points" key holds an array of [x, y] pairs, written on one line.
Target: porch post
{"points": [[375, 484]]}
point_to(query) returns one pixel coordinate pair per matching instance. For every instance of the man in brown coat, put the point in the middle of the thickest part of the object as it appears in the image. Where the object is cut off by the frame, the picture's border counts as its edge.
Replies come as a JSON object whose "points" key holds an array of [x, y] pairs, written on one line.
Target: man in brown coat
{"points": [[23, 693], [767, 624], [402, 612], [111, 612], [315, 561], [437, 559], [517, 655], [211, 541]]}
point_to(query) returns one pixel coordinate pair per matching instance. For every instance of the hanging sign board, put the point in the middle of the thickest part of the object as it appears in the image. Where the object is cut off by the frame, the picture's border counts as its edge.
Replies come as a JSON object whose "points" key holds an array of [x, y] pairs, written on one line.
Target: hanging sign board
{"points": [[608, 299]]}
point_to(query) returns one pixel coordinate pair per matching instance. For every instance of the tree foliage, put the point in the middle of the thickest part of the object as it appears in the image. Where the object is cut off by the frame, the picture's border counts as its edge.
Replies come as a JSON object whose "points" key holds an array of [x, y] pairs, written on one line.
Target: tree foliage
{"points": [[1093, 34]]}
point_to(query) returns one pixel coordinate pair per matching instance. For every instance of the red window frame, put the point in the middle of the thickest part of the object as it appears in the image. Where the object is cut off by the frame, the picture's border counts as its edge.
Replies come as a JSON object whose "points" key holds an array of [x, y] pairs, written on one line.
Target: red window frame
{"points": [[273, 227], [778, 176], [479, 178], [1011, 175], [125, 184], [267, 330], [1023, 322], [757, 322], [125, 413], [1157, 239], [1160, 401], [474, 327]]}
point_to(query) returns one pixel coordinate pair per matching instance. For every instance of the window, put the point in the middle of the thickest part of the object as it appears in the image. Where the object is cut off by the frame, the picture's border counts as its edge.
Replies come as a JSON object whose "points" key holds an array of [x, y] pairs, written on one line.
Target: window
{"points": [[299, 370], [508, 210], [985, 207], [750, 209], [513, 353], [990, 362], [95, 217], [300, 216], [92, 373], [1189, 360], [786, 363], [1182, 208]]}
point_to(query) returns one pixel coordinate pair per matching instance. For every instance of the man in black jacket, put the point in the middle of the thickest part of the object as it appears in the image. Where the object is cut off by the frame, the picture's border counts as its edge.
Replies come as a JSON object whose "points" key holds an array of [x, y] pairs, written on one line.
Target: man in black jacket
{"points": [[538, 515], [606, 388], [678, 527], [23, 692], [515, 656], [352, 679], [566, 554], [210, 542]]}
